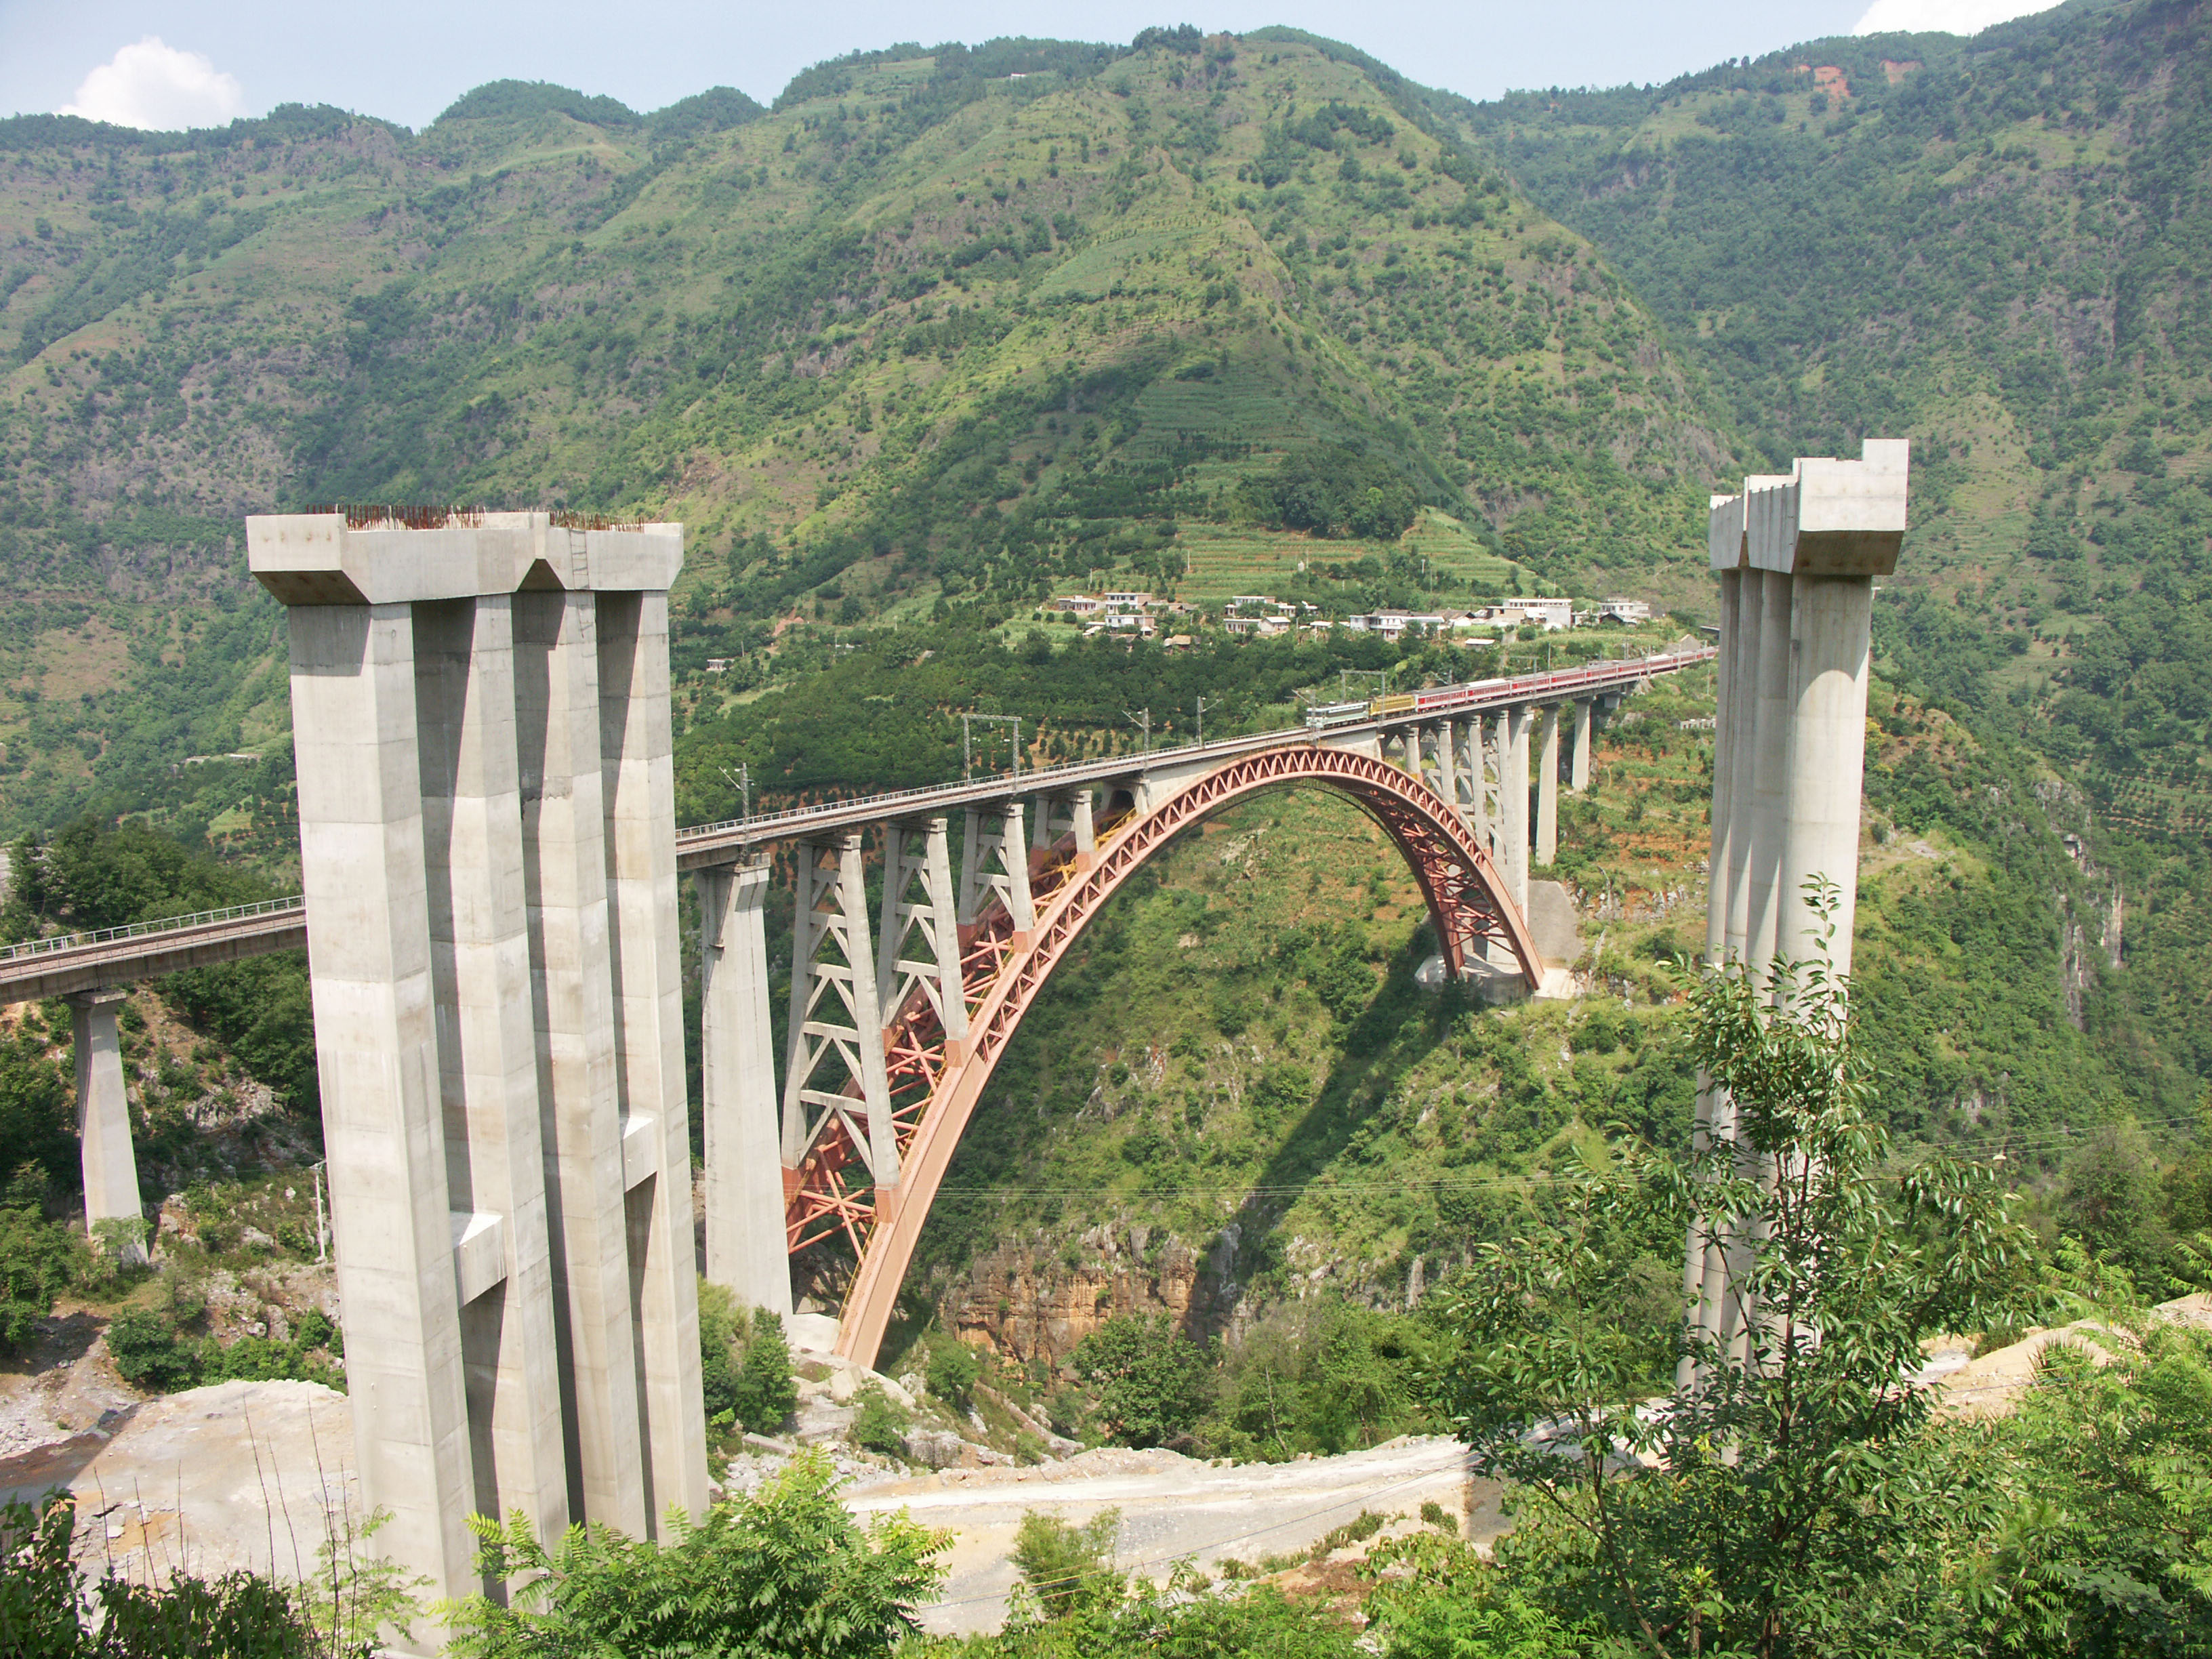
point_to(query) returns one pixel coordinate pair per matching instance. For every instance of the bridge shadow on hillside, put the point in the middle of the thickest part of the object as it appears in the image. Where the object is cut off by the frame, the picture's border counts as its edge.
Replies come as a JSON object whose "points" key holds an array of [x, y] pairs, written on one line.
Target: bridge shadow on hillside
{"points": [[1399, 1028]]}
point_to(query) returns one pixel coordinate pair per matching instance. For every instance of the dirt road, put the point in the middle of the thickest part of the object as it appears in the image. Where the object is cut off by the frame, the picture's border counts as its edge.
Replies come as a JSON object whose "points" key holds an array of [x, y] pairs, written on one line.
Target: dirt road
{"points": [[1171, 1507]]}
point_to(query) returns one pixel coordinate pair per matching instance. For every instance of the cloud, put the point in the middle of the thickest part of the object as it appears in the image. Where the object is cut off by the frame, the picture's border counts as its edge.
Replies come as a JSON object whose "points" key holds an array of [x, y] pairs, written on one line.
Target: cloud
{"points": [[1944, 17], [153, 85]]}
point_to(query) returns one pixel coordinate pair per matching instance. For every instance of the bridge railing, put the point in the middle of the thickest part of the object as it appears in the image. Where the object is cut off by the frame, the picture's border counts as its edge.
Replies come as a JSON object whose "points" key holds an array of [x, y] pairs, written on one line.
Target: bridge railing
{"points": [[43, 947]]}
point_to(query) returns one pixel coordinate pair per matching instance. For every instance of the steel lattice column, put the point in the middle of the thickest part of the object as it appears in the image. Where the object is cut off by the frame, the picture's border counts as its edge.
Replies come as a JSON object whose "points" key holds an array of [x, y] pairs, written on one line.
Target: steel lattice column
{"points": [[917, 901], [836, 1017]]}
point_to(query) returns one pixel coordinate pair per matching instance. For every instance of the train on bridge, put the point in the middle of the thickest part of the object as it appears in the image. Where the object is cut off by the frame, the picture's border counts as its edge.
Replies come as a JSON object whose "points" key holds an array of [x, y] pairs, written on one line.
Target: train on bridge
{"points": [[1603, 675]]}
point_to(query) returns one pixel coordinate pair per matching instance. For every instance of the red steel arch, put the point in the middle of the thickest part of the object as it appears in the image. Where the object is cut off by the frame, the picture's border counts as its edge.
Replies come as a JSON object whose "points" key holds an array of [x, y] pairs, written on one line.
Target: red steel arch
{"points": [[936, 1086]]}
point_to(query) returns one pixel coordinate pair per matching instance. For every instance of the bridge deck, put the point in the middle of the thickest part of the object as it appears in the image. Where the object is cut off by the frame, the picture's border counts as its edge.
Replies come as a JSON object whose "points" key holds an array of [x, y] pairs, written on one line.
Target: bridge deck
{"points": [[85, 962]]}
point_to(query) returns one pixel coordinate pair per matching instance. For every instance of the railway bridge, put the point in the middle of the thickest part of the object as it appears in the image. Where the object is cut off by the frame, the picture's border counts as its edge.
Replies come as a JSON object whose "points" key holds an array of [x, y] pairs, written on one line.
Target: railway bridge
{"points": [[858, 1135], [491, 870]]}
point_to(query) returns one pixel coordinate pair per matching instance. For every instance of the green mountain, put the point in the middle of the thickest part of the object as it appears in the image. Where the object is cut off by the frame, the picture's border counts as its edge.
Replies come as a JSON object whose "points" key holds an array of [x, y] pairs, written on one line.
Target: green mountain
{"points": [[2001, 245]]}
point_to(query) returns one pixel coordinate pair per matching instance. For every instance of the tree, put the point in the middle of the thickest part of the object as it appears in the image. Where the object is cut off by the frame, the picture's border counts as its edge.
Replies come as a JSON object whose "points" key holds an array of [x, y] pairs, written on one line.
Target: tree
{"points": [[1065, 1566], [38, 1258], [1782, 1504], [1151, 1379], [954, 1370], [766, 1391], [784, 1572]]}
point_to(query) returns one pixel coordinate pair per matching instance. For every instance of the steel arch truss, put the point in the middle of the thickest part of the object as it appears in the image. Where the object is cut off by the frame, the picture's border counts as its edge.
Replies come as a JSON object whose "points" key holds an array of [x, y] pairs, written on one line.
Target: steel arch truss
{"points": [[936, 1084]]}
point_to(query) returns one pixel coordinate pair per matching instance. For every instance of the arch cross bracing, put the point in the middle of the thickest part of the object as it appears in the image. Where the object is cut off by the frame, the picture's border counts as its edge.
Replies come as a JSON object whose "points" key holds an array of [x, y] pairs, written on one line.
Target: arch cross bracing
{"points": [[936, 1083]]}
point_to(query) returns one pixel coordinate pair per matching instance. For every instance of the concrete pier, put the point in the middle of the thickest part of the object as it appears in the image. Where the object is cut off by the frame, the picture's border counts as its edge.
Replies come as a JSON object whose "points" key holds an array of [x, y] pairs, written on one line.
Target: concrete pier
{"points": [[488, 848], [488, 1059], [572, 990], [1513, 788], [1579, 780], [745, 1237], [1795, 557], [103, 1120], [1547, 790]]}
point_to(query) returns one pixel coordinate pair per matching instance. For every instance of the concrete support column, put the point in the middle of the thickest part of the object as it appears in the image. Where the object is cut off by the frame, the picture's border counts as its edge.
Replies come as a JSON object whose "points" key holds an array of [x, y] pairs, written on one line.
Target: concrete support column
{"points": [[1724, 739], [746, 1242], [103, 1120], [1772, 741], [837, 1020], [917, 901], [1447, 765], [1513, 787], [464, 688], [1578, 779], [572, 993], [995, 864], [1743, 709], [1086, 835], [362, 869], [1828, 712], [1547, 791], [1482, 774], [638, 752]]}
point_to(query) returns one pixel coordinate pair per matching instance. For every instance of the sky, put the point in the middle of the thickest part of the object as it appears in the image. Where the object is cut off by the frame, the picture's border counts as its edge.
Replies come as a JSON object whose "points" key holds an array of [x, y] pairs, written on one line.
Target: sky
{"points": [[170, 64]]}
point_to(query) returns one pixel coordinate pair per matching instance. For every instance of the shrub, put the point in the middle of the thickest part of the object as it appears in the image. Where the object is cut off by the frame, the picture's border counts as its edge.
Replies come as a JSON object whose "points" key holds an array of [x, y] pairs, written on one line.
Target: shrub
{"points": [[1065, 1566], [785, 1571], [1151, 1379], [765, 1392], [879, 1424], [148, 1351], [37, 1258], [953, 1372]]}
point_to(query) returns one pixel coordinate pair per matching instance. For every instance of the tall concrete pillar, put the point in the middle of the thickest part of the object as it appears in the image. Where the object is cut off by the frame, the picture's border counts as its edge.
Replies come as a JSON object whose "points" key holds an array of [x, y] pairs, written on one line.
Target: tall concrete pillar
{"points": [[480, 711], [1578, 779], [1547, 791], [1772, 738], [464, 690], [1086, 833], [572, 992], [1743, 709], [1827, 713], [1447, 765], [103, 1120], [638, 756], [1788, 769], [1513, 787], [363, 870], [1484, 772], [1730, 580], [993, 864], [745, 1237]]}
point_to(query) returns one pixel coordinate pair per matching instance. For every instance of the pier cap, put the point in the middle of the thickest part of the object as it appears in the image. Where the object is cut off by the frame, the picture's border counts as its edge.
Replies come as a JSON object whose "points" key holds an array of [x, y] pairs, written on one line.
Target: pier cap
{"points": [[393, 556]]}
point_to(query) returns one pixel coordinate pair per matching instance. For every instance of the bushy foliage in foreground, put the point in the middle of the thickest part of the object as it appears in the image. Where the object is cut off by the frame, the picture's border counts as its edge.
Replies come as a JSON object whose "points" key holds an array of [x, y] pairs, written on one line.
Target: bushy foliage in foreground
{"points": [[786, 1572], [347, 1610]]}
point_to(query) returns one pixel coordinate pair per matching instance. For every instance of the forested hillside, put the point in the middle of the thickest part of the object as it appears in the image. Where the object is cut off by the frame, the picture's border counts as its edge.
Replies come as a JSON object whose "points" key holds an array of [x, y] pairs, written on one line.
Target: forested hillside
{"points": [[2000, 245], [941, 325]]}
